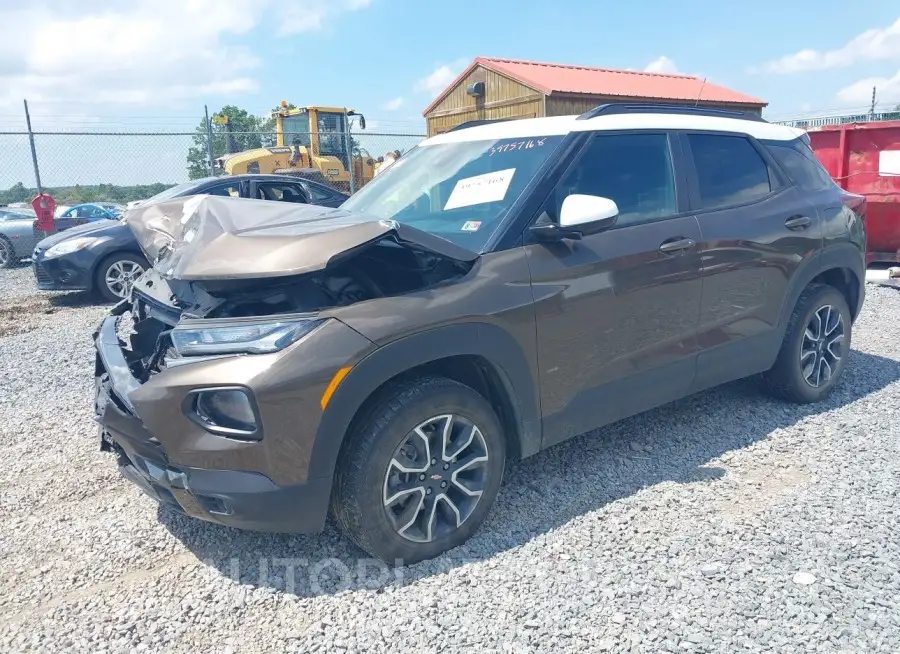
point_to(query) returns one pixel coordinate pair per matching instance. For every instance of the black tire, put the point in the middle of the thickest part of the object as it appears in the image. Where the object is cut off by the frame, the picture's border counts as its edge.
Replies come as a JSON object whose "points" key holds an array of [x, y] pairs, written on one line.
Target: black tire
{"points": [[7, 254], [365, 465], [100, 276], [787, 379]]}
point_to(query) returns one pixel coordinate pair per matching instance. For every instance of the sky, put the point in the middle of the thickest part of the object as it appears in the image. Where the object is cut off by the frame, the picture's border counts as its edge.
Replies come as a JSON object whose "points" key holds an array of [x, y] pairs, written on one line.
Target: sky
{"points": [[151, 65]]}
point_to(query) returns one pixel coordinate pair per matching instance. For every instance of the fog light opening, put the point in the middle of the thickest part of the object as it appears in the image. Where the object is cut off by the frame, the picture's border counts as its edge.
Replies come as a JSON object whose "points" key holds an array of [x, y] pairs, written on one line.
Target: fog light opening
{"points": [[226, 411]]}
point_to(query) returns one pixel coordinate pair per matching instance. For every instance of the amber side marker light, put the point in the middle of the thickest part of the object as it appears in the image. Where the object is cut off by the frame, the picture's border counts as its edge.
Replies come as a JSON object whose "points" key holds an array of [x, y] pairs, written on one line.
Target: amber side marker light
{"points": [[332, 386]]}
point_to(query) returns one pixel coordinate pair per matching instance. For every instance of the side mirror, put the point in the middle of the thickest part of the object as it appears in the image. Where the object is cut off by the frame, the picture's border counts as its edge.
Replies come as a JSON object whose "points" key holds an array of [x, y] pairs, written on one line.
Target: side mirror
{"points": [[580, 215], [588, 213]]}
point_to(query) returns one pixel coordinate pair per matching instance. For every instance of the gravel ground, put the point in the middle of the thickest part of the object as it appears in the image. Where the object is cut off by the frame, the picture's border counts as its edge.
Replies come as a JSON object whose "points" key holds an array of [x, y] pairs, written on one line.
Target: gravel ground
{"points": [[726, 522]]}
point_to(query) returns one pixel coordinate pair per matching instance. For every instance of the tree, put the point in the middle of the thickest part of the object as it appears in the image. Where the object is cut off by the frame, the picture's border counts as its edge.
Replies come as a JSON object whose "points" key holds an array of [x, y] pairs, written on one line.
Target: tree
{"points": [[247, 130], [18, 193]]}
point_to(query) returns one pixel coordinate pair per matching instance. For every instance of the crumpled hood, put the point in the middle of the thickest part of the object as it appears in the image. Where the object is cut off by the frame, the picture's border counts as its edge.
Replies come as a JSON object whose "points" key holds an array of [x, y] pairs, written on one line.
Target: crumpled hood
{"points": [[78, 230], [214, 237]]}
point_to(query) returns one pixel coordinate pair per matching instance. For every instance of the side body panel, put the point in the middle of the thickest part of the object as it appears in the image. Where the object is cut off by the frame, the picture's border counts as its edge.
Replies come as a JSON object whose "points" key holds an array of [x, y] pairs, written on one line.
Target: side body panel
{"points": [[750, 260]]}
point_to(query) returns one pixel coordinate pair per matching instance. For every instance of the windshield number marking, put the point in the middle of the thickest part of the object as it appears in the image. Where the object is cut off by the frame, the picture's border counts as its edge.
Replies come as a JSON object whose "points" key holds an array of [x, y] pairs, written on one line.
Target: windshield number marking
{"points": [[517, 145]]}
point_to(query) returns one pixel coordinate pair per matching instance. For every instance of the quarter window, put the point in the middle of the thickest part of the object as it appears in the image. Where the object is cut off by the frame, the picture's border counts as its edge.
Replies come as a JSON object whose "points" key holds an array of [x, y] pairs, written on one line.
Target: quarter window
{"points": [[634, 170], [800, 164], [729, 170]]}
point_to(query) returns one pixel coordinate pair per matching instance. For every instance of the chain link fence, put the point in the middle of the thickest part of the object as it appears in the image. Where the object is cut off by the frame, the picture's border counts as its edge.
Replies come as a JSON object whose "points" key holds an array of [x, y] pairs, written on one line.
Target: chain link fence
{"points": [[76, 167]]}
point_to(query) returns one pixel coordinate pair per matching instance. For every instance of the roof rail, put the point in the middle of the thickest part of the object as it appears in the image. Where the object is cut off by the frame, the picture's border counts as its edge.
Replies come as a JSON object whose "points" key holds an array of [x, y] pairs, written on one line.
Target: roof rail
{"points": [[650, 108], [476, 123]]}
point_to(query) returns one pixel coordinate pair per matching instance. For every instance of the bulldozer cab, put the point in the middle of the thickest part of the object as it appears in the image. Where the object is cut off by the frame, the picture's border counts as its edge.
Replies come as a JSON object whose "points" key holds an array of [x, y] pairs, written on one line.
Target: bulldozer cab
{"points": [[321, 129]]}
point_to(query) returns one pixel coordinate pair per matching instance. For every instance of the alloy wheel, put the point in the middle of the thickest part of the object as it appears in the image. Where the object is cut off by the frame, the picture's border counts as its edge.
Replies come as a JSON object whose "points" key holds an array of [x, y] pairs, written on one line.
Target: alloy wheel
{"points": [[5, 254], [822, 346], [120, 277], [436, 478]]}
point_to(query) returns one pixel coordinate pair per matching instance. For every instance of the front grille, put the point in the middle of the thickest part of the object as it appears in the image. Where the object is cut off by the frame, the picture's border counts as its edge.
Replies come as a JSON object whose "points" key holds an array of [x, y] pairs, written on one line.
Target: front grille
{"points": [[41, 274]]}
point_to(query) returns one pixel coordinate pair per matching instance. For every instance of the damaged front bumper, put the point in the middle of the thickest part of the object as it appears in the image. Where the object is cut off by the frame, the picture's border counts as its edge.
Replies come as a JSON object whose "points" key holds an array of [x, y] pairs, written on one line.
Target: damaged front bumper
{"points": [[265, 485]]}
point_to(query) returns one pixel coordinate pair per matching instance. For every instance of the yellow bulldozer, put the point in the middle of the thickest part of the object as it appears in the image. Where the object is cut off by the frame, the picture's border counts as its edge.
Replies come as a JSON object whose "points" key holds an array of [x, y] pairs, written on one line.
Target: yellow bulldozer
{"points": [[310, 142]]}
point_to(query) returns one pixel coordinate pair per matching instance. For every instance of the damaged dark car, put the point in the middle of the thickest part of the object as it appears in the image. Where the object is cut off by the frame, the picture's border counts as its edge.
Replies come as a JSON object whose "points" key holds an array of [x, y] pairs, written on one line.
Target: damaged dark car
{"points": [[499, 289]]}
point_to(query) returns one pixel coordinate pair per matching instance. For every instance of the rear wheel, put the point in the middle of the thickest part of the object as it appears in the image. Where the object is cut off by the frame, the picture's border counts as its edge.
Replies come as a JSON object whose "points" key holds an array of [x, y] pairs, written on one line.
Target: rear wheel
{"points": [[7, 254], [116, 275], [815, 348], [420, 472]]}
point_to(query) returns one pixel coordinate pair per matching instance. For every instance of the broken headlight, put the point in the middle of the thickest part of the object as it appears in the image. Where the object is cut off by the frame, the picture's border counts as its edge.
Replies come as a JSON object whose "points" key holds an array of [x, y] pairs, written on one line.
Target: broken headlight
{"points": [[240, 336]]}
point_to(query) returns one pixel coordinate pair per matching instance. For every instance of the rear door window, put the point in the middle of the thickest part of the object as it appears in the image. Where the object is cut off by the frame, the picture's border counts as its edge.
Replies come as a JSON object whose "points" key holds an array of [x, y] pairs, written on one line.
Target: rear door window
{"points": [[281, 192], [317, 194], [729, 170], [229, 189]]}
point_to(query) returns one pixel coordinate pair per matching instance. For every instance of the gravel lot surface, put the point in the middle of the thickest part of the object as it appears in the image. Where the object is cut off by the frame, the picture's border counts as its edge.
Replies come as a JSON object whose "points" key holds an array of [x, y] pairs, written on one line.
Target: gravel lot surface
{"points": [[726, 522]]}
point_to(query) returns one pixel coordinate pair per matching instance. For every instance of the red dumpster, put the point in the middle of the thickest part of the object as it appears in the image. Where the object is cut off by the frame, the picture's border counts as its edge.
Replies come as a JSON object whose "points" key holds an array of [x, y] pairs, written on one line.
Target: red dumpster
{"points": [[864, 158]]}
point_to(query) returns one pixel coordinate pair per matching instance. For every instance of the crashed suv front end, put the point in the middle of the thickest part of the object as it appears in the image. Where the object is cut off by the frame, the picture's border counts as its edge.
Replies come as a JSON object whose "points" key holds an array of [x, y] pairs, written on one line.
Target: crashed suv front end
{"points": [[211, 385]]}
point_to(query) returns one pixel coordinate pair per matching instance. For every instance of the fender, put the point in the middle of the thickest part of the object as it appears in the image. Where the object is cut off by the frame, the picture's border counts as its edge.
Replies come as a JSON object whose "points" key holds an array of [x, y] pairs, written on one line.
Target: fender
{"points": [[850, 257], [833, 257], [479, 339]]}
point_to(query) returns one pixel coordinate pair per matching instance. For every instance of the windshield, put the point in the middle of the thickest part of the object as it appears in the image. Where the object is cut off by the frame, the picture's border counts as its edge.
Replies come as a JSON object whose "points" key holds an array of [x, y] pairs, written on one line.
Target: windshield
{"points": [[458, 191], [331, 134]]}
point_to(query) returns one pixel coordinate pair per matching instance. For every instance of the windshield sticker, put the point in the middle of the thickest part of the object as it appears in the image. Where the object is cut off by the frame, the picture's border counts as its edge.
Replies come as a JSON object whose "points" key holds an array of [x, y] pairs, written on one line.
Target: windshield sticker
{"points": [[490, 187], [471, 226], [526, 144]]}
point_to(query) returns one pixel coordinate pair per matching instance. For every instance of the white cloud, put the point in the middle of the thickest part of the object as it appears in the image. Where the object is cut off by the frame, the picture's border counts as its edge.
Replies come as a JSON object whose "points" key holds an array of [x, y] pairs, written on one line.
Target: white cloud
{"points": [[662, 65], [298, 16], [393, 105], [860, 93], [882, 43], [438, 79], [140, 52]]}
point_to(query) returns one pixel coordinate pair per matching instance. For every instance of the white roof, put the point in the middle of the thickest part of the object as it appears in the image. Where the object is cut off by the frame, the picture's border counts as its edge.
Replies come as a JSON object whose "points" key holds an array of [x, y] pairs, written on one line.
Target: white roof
{"points": [[561, 125]]}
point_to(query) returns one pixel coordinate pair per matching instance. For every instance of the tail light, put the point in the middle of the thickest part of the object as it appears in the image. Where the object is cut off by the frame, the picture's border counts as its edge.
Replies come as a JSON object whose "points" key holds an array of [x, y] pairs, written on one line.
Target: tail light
{"points": [[855, 203]]}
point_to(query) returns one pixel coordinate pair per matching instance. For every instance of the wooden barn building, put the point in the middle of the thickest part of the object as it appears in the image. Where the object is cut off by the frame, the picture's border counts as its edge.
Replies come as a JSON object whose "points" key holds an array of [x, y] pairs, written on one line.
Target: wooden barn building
{"points": [[508, 88]]}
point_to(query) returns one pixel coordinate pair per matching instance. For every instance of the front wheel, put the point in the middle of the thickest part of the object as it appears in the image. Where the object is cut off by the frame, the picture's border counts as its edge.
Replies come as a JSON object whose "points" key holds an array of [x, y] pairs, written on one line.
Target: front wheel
{"points": [[116, 275], [815, 347], [420, 471], [7, 254]]}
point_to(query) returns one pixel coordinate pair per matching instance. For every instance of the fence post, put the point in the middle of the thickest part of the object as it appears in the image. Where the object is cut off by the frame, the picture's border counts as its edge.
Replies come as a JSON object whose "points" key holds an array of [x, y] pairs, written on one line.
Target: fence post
{"points": [[349, 142], [37, 171], [209, 141]]}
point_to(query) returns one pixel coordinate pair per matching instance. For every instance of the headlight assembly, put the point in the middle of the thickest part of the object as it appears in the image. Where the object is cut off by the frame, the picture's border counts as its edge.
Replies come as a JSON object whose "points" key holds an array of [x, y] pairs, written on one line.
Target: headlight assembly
{"points": [[256, 336], [72, 245]]}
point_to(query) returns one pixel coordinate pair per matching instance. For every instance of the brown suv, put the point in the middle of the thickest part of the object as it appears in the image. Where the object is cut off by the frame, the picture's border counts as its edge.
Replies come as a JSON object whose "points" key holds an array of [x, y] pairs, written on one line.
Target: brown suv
{"points": [[501, 288]]}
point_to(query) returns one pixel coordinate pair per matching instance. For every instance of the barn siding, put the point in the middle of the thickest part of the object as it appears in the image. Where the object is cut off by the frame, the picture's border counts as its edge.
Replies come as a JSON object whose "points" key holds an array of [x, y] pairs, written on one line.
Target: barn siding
{"points": [[504, 98], [567, 105]]}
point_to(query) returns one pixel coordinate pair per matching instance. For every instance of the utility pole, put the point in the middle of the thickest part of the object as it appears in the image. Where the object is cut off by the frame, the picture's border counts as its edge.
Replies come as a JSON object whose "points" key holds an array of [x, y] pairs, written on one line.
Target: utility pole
{"points": [[34, 160], [348, 140], [872, 108], [209, 141]]}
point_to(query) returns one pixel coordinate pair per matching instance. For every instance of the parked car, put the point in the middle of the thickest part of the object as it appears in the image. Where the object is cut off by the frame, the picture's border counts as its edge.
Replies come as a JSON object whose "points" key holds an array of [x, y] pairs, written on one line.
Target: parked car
{"points": [[104, 255], [93, 211], [502, 288], [17, 236]]}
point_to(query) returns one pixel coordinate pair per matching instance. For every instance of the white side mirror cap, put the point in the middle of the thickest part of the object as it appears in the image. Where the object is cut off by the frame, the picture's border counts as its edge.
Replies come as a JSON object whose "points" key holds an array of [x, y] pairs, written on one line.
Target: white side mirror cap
{"points": [[580, 209]]}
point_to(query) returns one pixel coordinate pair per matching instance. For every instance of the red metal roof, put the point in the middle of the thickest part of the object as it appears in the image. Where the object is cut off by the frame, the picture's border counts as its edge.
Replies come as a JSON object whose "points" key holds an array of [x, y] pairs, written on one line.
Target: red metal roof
{"points": [[558, 78]]}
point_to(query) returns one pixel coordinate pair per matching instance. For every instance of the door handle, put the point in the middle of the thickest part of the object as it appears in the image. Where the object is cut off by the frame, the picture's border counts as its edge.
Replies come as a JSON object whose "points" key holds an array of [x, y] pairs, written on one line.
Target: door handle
{"points": [[798, 222], [676, 245]]}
